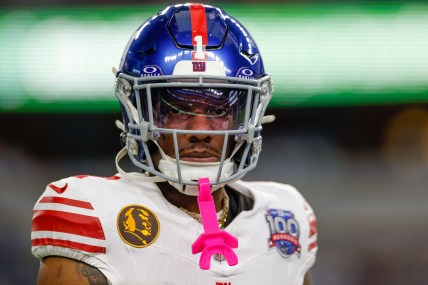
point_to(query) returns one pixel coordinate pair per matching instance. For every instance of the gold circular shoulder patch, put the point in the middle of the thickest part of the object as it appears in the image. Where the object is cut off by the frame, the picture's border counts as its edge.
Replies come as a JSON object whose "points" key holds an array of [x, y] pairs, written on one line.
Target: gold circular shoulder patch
{"points": [[137, 225]]}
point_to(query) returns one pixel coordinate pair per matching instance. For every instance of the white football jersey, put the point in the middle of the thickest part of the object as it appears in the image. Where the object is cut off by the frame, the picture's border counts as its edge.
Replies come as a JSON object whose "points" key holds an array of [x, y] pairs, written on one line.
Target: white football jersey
{"points": [[130, 233]]}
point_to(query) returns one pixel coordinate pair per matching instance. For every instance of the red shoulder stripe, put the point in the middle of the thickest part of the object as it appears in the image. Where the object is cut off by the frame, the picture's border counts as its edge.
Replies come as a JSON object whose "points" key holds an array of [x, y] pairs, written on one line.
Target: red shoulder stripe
{"points": [[69, 244], [67, 201], [57, 221], [312, 224], [312, 245], [81, 176], [114, 177]]}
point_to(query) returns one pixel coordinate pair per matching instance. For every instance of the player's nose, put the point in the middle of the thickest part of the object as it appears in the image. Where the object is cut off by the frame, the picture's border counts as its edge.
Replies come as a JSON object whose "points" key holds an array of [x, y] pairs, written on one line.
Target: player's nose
{"points": [[199, 122]]}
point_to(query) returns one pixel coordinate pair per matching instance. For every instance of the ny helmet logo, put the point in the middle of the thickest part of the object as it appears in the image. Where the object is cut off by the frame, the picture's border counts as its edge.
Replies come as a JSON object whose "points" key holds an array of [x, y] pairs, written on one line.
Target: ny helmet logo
{"points": [[199, 66]]}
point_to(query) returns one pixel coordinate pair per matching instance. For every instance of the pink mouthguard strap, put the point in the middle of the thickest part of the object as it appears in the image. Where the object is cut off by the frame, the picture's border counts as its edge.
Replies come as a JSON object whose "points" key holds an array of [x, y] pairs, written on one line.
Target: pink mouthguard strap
{"points": [[213, 240]]}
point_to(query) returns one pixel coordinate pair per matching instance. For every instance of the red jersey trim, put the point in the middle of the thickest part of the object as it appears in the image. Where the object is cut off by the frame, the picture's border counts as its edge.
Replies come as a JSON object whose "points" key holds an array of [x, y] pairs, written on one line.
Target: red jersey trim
{"points": [[68, 244], [114, 177], [312, 224], [57, 189], [66, 201], [58, 221], [312, 245]]}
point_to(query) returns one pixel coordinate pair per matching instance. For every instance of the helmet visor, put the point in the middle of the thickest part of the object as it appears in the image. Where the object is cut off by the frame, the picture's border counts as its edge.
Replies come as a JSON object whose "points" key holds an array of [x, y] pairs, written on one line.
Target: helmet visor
{"points": [[217, 108]]}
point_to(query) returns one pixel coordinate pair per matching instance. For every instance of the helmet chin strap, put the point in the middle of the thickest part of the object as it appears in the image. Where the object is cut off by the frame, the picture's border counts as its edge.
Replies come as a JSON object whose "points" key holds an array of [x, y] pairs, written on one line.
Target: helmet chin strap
{"points": [[135, 176]]}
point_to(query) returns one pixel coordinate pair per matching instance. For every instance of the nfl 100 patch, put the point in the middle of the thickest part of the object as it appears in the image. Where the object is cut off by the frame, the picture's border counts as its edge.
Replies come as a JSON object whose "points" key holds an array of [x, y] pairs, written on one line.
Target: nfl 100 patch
{"points": [[284, 232]]}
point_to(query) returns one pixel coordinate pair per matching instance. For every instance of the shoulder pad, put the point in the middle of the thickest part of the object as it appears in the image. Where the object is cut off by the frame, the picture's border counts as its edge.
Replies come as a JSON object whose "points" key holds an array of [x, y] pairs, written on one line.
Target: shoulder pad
{"points": [[64, 218]]}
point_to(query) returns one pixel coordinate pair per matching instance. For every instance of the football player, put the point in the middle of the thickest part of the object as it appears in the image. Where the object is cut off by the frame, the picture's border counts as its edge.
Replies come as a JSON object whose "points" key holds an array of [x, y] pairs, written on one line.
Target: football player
{"points": [[193, 93]]}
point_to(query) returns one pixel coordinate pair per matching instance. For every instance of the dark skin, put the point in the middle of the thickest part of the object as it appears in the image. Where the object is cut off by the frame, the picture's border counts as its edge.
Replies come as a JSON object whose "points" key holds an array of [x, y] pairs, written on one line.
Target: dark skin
{"points": [[61, 270], [200, 148]]}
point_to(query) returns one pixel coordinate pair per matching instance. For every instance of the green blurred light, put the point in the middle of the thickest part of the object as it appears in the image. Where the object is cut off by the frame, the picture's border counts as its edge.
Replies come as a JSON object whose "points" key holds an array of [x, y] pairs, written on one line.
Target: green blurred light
{"points": [[60, 60]]}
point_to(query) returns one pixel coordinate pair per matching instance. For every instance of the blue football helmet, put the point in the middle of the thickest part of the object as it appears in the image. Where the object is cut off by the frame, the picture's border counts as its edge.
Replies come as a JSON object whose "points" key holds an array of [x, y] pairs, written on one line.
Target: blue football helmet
{"points": [[192, 60]]}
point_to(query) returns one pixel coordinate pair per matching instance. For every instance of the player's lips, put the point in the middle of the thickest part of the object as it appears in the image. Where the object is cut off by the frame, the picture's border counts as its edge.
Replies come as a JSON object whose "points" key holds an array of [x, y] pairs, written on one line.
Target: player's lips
{"points": [[200, 155]]}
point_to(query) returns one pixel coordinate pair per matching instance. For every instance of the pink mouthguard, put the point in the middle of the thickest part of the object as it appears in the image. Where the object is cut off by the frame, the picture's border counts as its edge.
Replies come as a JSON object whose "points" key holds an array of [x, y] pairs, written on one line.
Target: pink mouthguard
{"points": [[213, 240]]}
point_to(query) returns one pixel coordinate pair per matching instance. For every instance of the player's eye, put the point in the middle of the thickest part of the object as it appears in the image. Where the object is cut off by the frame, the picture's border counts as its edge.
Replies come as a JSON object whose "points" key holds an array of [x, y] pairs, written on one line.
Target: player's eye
{"points": [[218, 112]]}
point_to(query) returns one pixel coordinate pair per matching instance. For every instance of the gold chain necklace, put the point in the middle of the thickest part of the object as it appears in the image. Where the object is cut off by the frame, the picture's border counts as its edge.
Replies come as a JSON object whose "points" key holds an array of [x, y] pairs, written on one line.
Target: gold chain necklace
{"points": [[224, 214]]}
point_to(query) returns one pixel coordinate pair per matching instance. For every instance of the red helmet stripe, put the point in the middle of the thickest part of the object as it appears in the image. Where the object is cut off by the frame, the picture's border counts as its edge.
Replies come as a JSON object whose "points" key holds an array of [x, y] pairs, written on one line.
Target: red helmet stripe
{"points": [[198, 19]]}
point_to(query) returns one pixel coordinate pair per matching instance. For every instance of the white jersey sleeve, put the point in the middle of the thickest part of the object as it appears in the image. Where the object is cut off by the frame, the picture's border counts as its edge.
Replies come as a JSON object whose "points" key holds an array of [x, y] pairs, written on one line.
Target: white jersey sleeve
{"points": [[66, 224]]}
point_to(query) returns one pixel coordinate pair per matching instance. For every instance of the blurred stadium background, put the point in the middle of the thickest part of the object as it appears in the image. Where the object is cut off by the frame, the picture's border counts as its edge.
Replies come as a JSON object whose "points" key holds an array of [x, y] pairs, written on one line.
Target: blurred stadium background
{"points": [[351, 132]]}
